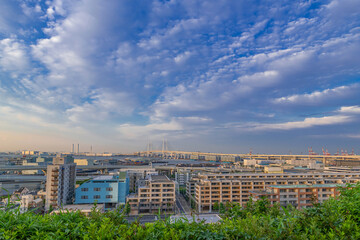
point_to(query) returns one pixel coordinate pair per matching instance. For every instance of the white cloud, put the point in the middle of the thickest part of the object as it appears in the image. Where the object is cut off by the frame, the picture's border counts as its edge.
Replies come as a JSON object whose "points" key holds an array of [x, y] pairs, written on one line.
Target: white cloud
{"points": [[260, 79], [181, 58], [155, 130], [350, 110], [102, 105], [306, 123], [13, 56], [317, 97]]}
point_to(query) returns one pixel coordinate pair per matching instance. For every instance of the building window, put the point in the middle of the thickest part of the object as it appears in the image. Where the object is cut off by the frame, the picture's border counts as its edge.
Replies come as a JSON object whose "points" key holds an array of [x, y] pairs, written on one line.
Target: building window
{"points": [[109, 189], [109, 196], [96, 196], [84, 189], [97, 189], [84, 197]]}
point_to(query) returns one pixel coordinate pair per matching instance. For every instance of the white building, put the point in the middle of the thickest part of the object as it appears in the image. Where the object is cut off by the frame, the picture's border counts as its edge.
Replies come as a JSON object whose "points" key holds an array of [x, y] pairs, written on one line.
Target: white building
{"points": [[182, 176]]}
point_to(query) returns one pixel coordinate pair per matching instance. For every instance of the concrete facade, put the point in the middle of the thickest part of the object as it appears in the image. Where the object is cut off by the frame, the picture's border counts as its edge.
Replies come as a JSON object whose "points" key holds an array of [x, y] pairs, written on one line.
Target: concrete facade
{"points": [[158, 193], [60, 182], [224, 188], [300, 196], [182, 176], [104, 189]]}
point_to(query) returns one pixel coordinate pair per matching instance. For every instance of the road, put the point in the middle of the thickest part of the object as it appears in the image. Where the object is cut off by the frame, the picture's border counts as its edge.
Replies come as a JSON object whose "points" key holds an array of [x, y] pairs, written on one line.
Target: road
{"points": [[145, 218], [182, 204]]}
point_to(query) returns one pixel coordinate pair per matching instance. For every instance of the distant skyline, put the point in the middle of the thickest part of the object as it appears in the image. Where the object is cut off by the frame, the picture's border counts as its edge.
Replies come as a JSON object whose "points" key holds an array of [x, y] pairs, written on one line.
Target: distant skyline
{"points": [[211, 76]]}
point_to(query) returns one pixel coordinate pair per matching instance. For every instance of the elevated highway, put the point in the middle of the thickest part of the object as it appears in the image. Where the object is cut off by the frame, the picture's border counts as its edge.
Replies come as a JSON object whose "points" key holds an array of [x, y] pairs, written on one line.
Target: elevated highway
{"points": [[95, 167]]}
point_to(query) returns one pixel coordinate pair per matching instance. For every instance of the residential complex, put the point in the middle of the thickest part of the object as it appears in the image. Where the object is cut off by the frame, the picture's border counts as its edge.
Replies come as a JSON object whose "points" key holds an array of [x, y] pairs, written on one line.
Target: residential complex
{"points": [[158, 193], [182, 176], [110, 190], [138, 174], [211, 188], [300, 196]]}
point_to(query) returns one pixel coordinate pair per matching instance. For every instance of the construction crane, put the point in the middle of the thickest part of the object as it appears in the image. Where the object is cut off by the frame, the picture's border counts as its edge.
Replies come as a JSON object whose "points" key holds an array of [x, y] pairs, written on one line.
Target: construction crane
{"points": [[352, 152], [325, 152], [344, 153], [311, 152]]}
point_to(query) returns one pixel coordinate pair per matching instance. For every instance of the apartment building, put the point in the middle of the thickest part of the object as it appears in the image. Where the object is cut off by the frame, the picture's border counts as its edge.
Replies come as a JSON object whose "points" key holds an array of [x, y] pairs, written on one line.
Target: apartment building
{"points": [[158, 193], [138, 174], [182, 176], [60, 182], [300, 196], [211, 188], [109, 190]]}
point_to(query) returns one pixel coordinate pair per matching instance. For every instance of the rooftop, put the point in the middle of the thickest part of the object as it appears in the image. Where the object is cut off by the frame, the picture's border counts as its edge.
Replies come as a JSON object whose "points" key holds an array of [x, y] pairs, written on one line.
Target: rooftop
{"points": [[159, 178], [208, 218], [104, 178], [307, 186]]}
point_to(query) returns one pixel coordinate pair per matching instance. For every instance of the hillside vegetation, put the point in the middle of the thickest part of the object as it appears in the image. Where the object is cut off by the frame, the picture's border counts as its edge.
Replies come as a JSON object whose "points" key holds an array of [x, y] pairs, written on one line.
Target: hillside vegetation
{"points": [[334, 219]]}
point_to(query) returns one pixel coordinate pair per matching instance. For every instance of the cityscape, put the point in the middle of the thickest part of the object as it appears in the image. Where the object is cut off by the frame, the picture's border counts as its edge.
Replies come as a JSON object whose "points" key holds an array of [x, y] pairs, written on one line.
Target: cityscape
{"points": [[176, 183], [179, 119]]}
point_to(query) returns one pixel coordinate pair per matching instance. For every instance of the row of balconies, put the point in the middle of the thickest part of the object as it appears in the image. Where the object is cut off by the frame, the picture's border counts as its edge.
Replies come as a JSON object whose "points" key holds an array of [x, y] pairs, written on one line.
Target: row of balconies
{"points": [[283, 176]]}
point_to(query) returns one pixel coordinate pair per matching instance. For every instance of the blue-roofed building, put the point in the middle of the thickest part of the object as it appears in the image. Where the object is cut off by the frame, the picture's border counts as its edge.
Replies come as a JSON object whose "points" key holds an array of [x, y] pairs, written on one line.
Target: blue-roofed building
{"points": [[111, 190]]}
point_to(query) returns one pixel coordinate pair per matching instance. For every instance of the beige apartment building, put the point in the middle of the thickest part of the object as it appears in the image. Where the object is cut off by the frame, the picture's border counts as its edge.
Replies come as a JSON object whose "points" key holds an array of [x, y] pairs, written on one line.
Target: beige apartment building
{"points": [[222, 188], [60, 182], [158, 192], [300, 196]]}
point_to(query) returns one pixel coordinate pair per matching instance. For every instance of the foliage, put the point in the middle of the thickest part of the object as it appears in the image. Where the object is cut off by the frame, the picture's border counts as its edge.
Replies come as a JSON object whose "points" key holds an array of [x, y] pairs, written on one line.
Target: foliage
{"points": [[334, 219], [82, 181]]}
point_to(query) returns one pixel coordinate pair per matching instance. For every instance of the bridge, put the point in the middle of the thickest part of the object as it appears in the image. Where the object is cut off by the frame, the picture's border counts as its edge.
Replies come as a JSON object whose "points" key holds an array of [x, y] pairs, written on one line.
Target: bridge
{"points": [[226, 157]]}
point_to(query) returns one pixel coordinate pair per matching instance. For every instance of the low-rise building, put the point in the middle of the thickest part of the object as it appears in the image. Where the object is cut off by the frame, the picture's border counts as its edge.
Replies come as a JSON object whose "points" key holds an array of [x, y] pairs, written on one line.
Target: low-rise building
{"points": [[273, 169], [110, 190], [84, 162], [86, 209], [300, 196], [158, 193], [222, 188]]}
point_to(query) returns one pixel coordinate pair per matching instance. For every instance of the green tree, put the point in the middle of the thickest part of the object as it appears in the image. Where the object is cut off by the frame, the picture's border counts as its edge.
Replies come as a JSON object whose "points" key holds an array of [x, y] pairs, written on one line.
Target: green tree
{"points": [[215, 206], [127, 209]]}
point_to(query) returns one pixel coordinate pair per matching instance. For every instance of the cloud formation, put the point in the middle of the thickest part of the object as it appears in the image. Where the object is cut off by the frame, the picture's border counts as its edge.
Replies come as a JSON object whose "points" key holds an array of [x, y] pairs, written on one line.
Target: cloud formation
{"points": [[224, 73]]}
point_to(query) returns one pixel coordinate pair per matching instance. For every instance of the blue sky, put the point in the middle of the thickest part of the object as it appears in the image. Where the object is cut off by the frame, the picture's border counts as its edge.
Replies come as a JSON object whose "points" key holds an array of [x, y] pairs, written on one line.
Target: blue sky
{"points": [[214, 76]]}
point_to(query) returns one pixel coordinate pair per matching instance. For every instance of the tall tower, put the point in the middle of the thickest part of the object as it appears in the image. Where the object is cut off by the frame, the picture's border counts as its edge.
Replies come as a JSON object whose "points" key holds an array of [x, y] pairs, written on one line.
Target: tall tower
{"points": [[78, 148], [60, 182]]}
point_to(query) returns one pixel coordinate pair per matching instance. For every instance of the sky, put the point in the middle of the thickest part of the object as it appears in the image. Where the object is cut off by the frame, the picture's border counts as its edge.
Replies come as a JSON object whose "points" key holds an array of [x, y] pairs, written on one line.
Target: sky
{"points": [[213, 76]]}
